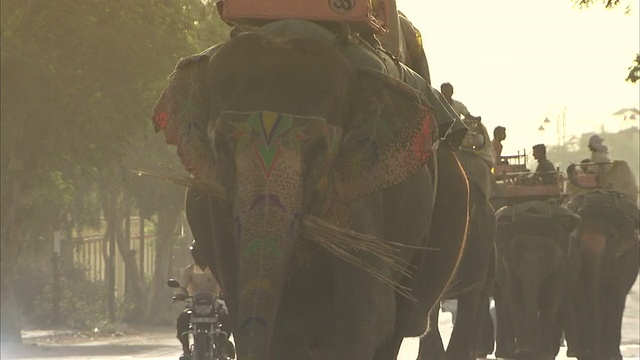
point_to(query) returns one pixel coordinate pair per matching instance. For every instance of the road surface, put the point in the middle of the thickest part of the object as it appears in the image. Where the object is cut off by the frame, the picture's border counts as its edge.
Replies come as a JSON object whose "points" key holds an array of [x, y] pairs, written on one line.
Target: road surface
{"points": [[161, 344]]}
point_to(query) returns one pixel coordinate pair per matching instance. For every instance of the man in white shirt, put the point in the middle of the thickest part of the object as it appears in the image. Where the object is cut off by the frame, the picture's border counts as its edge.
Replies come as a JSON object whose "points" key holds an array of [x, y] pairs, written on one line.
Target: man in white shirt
{"points": [[194, 278], [599, 155], [447, 91], [599, 151]]}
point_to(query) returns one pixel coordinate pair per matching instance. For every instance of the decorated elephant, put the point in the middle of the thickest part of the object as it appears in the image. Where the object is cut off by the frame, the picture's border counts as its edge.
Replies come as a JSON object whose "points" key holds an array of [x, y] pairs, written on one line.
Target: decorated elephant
{"points": [[608, 245], [331, 207], [538, 264], [473, 281]]}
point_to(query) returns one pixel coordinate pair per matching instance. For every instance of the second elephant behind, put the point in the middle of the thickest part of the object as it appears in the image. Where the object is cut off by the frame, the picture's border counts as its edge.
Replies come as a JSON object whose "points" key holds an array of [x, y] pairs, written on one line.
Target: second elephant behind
{"points": [[537, 264]]}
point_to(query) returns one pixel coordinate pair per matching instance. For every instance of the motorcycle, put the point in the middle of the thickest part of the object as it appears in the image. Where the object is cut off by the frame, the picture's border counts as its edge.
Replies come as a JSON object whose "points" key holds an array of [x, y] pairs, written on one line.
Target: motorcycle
{"points": [[209, 341]]}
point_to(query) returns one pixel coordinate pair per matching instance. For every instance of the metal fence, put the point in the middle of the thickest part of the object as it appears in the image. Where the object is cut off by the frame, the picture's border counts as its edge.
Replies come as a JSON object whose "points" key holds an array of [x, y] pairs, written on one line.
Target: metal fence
{"points": [[89, 251]]}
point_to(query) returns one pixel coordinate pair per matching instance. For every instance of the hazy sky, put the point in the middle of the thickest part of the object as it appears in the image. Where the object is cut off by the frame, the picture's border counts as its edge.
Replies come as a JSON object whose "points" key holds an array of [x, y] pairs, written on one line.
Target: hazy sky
{"points": [[515, 62]]}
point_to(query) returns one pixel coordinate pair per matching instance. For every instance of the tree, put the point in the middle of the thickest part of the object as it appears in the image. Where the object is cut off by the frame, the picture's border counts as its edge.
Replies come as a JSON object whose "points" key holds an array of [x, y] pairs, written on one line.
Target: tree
{"points": [[78, 83], [634, 70]]}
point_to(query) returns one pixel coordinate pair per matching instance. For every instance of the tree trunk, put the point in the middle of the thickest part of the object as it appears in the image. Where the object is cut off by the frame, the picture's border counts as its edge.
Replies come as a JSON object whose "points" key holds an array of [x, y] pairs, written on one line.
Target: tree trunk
{"points": [[168, 218], [134, 290], [112, 220], [15, 208], [141, 246], [10, 320]]}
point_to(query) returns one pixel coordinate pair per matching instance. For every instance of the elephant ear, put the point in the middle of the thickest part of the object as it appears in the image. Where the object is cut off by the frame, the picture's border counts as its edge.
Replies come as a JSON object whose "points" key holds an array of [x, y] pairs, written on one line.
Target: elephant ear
{"points": [[391, 134], [181, 115]]}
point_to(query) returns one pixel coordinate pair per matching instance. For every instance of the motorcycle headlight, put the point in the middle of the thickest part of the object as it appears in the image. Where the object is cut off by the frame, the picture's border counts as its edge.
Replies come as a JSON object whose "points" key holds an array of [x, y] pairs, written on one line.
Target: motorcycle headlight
{"points": [[203, 309]]}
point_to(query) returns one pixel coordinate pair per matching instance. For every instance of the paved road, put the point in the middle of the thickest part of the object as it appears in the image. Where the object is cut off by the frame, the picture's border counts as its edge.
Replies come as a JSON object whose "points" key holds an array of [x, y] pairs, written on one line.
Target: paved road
{"points": [[160, 343]]}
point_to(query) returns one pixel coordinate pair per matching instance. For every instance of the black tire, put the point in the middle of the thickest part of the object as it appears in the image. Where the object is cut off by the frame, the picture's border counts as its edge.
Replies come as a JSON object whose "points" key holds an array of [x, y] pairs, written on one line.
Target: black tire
{"points": [[201, 346]]}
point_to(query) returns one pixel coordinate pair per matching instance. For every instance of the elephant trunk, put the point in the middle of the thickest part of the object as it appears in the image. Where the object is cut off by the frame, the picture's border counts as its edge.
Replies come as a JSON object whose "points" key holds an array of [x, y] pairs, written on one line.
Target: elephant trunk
{"points": [[593, 243], [535, 256], [534, 259], [267, 224]]}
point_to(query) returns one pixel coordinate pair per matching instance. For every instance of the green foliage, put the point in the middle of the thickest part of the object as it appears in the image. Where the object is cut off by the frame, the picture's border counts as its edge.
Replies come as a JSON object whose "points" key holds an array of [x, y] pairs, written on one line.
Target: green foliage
{"points": [[82, 304], [634, 71], [606, 3], [78, 90], [79, 80]]}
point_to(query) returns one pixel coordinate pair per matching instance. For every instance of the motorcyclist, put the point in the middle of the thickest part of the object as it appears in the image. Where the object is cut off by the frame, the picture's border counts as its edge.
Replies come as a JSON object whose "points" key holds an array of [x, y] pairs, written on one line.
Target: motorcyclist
{"points": [[194, 278]]}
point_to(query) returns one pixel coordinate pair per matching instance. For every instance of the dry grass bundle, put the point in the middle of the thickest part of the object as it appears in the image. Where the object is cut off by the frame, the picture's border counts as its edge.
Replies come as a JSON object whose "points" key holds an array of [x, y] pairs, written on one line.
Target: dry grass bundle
{"points": [[210, 188], [344, 243]]}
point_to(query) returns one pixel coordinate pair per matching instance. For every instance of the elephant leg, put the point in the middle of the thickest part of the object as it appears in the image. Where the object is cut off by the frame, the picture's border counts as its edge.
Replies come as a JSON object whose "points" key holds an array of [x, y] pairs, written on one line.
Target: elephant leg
{"points": [[486, 336], [612, 312], [473, 275], [505, 342], [569, 325], [515, 299], [431, 342], [365, 307], [389, 350], [624, 276], [550, 329], [462, 344]]}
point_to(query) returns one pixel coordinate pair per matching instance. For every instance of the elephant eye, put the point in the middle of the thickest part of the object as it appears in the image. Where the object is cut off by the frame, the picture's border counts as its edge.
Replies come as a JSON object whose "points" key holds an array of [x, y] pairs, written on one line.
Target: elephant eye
{"points": [[223, 148], [314, 153], [222, 145]]}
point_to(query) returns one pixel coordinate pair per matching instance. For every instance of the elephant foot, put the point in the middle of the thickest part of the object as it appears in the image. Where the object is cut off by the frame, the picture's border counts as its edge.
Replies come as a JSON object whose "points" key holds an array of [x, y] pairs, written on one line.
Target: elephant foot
{"points": [[505, 354], [460, 356], [431, 347], [614, 357], [588, 355], [525, 354]]}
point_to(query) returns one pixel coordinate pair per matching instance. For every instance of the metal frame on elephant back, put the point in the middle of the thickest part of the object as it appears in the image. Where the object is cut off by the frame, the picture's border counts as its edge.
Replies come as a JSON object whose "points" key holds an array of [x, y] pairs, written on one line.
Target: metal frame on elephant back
{"points": [[516, 183], [375, 15]]}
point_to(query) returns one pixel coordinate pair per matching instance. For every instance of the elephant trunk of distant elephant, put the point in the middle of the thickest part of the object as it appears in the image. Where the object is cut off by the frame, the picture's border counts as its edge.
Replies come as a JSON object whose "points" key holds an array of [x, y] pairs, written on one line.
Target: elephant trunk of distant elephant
{"points": [[593, 239], [535, 256], [534, 259]]}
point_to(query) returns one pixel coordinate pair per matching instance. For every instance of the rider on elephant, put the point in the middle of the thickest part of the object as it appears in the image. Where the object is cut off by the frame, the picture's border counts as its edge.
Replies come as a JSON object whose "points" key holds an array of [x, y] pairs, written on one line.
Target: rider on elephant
{"points": [[545, 169], [461, 110], [599, 151]]}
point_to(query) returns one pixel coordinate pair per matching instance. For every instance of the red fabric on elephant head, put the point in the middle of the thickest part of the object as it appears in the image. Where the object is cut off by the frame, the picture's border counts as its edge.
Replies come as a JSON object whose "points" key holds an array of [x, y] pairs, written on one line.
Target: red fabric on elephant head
{"points": [[180, 114]]}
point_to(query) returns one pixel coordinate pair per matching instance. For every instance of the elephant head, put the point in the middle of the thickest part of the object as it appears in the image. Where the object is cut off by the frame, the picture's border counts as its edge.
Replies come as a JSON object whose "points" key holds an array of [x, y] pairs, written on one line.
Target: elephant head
{"points": [[289, 129], [608, 243]]}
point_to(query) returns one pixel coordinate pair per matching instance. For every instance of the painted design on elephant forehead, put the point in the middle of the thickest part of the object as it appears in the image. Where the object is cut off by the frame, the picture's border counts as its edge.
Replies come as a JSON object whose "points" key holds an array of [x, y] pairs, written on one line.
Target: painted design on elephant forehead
{"points": [[255, 285], [269, 199], [253, 320], [262, 244], [269, 125], [294, 223], [267, 155]]}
